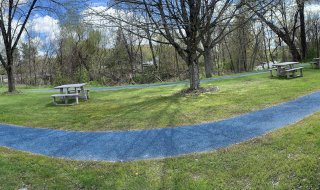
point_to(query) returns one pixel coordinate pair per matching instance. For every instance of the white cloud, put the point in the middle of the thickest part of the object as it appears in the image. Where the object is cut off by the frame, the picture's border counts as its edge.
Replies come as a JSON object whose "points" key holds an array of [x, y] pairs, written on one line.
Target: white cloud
{"points": [[313, 9], [99, 18], [102, 16], [47, 26], [107, 21], [43, 31]]}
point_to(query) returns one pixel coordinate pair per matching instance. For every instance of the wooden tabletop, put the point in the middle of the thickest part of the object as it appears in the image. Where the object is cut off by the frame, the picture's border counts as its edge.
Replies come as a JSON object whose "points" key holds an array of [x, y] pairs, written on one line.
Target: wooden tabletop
{"points": [[285, 64], [71, 86]]}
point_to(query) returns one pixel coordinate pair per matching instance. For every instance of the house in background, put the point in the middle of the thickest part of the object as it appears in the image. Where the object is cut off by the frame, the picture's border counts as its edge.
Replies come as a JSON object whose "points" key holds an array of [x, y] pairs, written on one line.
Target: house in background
{"points": [[3, 79]]}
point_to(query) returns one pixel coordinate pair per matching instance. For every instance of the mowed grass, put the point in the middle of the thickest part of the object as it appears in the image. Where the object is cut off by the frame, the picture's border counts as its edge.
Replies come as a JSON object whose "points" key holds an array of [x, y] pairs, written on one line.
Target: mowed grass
{"points": [[156, 107], [288, 158]]}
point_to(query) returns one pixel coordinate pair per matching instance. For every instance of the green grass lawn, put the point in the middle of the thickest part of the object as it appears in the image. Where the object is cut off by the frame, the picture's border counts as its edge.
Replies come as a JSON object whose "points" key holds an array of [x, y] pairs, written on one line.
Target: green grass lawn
{"points": [[288, 158], [155, 107]]}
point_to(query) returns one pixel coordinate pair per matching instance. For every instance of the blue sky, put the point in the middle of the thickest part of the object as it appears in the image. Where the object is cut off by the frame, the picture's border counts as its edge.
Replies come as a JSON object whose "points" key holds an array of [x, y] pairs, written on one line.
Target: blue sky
{"points": [[44, 25]]}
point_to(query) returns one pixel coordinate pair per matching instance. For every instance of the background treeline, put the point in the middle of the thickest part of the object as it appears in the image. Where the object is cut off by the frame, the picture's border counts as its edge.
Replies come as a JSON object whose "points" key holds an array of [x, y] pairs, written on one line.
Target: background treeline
{"points": [[86, 53]]}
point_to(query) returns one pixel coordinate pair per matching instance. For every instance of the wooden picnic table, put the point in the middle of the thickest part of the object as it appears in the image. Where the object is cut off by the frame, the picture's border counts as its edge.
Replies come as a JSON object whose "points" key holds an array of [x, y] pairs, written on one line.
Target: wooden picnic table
{"points": [[73, 88], [286, 68], [68, 91], [316, 62]]}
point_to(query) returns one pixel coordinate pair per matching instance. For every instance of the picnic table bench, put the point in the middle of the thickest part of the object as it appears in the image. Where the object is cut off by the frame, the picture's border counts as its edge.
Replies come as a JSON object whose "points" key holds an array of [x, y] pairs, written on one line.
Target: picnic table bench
{"points": [[66, 98], [316, 63], [293, 72], [70, 91]]}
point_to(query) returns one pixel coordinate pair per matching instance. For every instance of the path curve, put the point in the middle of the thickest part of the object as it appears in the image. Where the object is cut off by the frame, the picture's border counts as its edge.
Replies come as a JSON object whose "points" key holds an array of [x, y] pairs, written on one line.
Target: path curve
{"points": [[140, 86], [157, 143]]}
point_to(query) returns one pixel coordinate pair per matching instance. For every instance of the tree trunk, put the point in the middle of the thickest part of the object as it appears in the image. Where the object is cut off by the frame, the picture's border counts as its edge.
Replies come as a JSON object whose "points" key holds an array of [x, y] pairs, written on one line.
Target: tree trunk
{"points": [[194, 74], [317, 41], [265, 47], [141, 59], [303, 37], [208, 62], [282, 34], [294, 52], [154, 59], [11, 79], [177, 65]]}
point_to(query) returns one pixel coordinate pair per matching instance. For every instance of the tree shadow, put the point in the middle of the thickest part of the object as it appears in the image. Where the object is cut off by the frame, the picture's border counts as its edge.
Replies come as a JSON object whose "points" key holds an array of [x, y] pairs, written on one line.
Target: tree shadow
{"points": [[170, 107]]}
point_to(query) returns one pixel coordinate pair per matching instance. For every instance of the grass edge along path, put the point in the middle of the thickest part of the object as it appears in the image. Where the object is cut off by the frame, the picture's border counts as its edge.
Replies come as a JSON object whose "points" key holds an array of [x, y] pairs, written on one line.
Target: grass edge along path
{"points": [[163, 84]]}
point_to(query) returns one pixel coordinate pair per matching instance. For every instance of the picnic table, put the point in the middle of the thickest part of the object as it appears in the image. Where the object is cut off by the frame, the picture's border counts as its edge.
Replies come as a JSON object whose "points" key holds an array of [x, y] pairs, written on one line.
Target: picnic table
{"points": [[316, 63], [71, 91], [286, 69]]}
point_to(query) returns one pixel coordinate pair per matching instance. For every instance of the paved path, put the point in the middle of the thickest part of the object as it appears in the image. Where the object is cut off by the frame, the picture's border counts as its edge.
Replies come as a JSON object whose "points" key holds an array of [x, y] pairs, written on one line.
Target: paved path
{"points": [[158, 84], [157, 143]]}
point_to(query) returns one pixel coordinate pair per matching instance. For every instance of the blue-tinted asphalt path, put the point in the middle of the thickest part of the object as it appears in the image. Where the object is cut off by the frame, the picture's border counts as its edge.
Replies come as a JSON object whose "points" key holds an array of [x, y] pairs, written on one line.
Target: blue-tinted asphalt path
{"points": [[157, 143], [159, 84]]}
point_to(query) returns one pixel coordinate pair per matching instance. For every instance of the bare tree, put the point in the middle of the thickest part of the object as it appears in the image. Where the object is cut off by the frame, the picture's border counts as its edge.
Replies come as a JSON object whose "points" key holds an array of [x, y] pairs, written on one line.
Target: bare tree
{"points": [[14, 16], [274, 13], [11, 31], [184, 24]]}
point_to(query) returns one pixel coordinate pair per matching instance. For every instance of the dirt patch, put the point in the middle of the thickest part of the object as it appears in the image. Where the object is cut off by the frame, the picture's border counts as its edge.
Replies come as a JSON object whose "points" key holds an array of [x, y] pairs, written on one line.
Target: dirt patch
{"points": [[201, 90]]}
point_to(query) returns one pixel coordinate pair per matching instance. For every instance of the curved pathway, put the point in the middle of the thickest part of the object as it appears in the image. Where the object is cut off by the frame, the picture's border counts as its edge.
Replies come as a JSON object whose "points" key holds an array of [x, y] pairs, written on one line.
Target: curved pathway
{"points": [[139, 86], [157, 143]]}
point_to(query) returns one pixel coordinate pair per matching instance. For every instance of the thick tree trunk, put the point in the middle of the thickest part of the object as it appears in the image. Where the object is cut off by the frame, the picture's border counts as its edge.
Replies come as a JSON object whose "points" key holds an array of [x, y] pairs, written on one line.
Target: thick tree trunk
{"points": [[294, 52], [282, 34], [194, 74], [292, 47], [303, 37], [208, 62], [11, 79]]}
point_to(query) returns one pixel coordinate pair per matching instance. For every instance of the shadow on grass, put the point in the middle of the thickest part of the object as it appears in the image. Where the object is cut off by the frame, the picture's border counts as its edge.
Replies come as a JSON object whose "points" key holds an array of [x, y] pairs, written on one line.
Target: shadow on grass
{"points": [[61, 103], [163, 108], [283, 78]]}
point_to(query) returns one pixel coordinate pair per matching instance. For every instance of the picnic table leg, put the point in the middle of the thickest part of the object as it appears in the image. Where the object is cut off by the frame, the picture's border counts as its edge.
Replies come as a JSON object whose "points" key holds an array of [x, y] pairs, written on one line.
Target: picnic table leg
{"points": [[88, 94], [83, 93], [271, 75], [61, 90], [77, 100], [278, 71], [66, 100]]}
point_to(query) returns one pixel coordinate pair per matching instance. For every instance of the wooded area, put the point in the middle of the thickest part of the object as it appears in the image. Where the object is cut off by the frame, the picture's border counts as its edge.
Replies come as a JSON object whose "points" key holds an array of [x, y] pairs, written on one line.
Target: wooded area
{"points": [[131, 42]]}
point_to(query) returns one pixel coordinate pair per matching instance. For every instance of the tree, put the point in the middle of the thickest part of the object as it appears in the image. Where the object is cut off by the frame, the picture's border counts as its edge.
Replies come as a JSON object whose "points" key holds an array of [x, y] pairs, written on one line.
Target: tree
{"points": [[29, 53], [184, 24], [275, 14], [303, 38], [14, 16], [11, 32]]}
